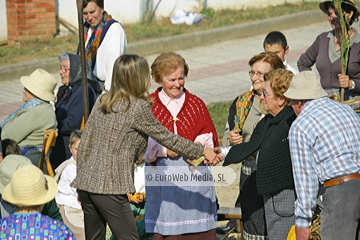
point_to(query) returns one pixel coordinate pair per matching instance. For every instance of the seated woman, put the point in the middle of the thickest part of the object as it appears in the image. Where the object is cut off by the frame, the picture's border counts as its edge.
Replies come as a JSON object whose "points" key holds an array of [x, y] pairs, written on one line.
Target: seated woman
{"points": [[29, 189], [69, 107], [27, 124]]}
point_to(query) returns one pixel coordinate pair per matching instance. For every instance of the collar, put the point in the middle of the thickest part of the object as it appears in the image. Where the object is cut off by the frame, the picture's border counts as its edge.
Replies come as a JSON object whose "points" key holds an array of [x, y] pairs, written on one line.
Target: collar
{"points": [[283, 113], [353, 39], [165, 99]]}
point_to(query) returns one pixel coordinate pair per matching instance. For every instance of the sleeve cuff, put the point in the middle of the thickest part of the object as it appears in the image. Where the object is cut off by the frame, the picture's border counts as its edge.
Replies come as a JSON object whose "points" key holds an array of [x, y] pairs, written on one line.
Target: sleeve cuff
{"points": [[352, 88], [302, 222], [162, 151]]}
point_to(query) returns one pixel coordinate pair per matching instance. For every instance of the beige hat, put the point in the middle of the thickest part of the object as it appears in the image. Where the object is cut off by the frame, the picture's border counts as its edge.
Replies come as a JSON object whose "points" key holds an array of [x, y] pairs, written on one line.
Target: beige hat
{"points": [[305, 85], [350, 3], [41, 84], [8, 166], [30, 187]]}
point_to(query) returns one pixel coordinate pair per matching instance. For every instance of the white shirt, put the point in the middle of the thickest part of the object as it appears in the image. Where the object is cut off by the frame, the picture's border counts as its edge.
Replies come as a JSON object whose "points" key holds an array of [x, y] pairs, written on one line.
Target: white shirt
{"points": [[290, 68], [67, 195], [112, 46]]}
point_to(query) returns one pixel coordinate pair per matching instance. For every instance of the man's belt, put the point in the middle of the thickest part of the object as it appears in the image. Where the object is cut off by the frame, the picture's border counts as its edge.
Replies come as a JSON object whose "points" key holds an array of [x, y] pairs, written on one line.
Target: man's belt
{"points": [[340, 180]]}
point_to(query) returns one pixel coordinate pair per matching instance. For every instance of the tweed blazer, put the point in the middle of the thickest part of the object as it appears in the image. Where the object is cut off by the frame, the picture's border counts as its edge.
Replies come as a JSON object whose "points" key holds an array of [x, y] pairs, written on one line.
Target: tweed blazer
{"points": [[111, 143]]}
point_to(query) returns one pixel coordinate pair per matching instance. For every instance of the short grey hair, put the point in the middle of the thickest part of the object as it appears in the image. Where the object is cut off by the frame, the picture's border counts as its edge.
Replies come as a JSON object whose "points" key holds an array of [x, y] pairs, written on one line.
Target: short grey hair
{"points": [[63, 56]]}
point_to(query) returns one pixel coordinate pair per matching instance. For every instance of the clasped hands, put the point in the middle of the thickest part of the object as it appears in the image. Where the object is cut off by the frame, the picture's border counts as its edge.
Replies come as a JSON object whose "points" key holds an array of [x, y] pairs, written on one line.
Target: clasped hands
{"points": [[212, 156]]}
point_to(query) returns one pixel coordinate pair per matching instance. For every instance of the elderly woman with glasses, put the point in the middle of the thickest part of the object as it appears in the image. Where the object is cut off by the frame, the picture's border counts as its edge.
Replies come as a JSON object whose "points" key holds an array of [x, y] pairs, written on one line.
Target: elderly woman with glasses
{"points": [[274, 179], [69, 107], [244, 113], [27, 124]]}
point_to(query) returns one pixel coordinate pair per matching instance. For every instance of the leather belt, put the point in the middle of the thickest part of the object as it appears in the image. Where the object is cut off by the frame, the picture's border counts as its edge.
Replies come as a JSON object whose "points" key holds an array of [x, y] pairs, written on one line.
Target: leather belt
{"points": [[340, 180]]}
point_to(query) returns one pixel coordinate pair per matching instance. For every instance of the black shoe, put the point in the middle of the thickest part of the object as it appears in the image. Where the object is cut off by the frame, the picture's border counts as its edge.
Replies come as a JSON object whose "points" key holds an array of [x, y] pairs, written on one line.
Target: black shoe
{"points": [[223, 230]]}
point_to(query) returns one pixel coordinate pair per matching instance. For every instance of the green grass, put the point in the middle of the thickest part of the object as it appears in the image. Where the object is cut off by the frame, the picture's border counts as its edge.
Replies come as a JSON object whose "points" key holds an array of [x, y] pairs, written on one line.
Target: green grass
{"points": [[219, 113], [40, 49]]}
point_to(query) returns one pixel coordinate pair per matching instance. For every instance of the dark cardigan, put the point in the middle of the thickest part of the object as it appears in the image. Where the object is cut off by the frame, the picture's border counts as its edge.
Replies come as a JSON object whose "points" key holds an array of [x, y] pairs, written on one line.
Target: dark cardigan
{"points": [[270, 137]]}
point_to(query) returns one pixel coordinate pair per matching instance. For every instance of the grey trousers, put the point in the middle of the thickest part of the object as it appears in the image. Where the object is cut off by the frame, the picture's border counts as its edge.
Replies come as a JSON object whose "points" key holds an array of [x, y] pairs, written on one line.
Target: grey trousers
{"points": [[111, 209], [340, 211], [279, 213]]}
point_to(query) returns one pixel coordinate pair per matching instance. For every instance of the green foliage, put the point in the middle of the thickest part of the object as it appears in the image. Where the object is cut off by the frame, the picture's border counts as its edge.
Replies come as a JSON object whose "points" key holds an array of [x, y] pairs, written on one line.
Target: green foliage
{"points": [[219, 113], [345, 34], [208, 12]]}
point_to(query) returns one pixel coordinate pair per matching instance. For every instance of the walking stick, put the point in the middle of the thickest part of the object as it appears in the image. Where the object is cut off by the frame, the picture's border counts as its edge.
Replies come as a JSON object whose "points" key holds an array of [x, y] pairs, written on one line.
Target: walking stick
{"points": [[85, 94], [345, 39]]}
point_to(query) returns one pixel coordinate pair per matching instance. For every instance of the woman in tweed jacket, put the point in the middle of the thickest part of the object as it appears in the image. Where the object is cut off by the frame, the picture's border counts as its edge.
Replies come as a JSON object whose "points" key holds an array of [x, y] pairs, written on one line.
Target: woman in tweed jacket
{"points": [[115, 137]]}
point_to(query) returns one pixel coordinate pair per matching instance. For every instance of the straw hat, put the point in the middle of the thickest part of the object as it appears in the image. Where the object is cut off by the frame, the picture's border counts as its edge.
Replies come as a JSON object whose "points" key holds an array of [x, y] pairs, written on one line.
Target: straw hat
{"points": [[9, 165], [41, 84], [30, 187], [305, 85], [350, 3]]}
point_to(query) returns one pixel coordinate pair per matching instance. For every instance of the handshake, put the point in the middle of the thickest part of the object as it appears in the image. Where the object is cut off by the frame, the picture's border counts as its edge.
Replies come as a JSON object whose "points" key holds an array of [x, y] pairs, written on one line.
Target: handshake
{"points": [[211, 156]]}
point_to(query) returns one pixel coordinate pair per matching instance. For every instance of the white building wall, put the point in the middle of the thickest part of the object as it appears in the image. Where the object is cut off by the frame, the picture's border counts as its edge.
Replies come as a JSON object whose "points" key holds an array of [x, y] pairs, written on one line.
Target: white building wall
{"points": [[131, 11]]}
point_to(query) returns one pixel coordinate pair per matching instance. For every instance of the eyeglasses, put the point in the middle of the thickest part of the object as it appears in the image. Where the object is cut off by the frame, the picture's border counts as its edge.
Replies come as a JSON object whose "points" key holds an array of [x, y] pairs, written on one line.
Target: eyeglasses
{"points": [[265, 93], [64, 69], [252, 73]]}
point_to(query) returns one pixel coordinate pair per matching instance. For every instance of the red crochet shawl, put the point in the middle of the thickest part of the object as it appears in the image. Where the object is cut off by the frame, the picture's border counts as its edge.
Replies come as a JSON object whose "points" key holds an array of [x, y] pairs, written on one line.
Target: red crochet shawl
{"points": [[193, 119]]}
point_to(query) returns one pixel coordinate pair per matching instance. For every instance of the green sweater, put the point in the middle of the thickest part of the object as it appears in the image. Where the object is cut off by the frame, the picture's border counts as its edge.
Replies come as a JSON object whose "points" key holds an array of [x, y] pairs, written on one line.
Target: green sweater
{"points": [[27, 128]]}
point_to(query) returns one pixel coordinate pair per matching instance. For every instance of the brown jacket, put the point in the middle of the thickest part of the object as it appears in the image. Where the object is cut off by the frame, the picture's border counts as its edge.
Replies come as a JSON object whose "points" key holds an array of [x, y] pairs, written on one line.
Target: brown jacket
{"points": [[111, 143]]}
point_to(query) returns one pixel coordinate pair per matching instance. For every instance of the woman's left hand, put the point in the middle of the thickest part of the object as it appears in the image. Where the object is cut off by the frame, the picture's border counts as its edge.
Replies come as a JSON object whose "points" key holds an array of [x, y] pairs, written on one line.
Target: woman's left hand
{"points": [[344, 81]]}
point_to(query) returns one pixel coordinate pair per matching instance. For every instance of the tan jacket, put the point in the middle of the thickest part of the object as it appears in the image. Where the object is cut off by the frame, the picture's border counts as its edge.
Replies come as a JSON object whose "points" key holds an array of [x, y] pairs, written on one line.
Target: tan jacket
{"points": [[111, 143]]}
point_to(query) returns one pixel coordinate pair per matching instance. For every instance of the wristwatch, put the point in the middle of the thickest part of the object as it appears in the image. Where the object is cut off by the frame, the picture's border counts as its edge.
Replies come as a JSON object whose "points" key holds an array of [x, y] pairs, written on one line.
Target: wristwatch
{"points": [[352, 85]]}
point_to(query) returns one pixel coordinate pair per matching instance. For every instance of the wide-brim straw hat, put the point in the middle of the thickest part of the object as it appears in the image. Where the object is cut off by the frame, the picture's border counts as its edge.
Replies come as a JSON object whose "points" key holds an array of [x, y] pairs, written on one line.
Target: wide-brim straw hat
{"points": [[41, 84], [350, 3], [30, 187], [305, 85], [9, 165]]}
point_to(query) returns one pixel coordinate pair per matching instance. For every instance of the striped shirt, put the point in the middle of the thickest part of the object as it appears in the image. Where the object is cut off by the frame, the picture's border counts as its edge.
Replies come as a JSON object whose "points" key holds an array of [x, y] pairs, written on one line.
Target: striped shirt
{"points": [[324, 144]]}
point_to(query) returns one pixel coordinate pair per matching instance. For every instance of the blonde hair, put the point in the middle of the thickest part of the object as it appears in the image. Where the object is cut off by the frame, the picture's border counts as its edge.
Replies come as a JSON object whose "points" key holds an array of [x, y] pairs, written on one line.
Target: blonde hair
{"points": [[167, 63], [279, 82], [131, 78], [270, 58], [75, 135]]}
